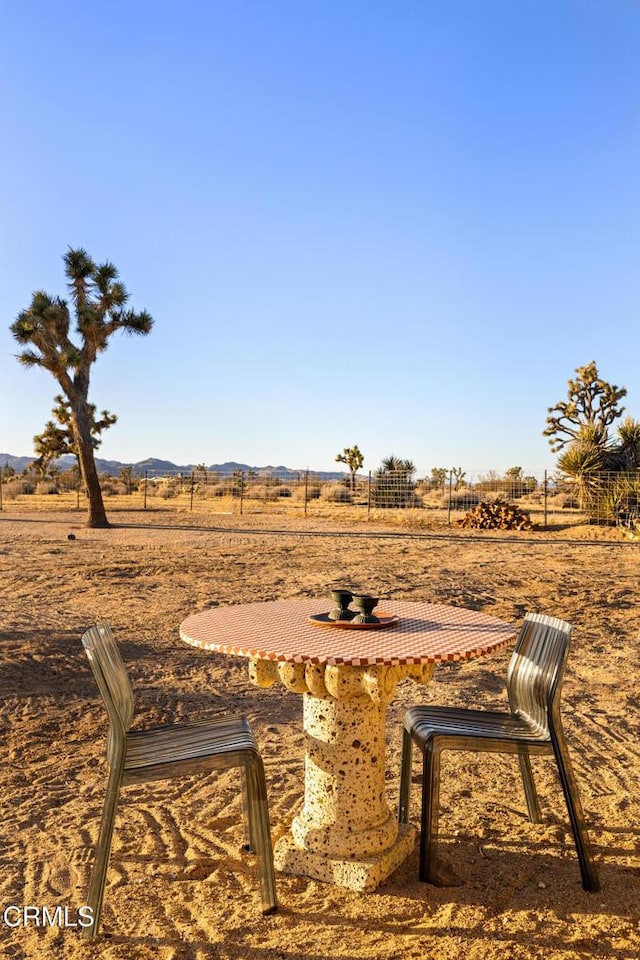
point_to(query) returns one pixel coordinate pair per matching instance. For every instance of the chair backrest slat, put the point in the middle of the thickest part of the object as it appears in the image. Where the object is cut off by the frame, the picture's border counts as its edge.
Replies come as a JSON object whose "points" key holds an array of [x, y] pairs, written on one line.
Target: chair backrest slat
{"points": [[111, 676], [536, 670]]}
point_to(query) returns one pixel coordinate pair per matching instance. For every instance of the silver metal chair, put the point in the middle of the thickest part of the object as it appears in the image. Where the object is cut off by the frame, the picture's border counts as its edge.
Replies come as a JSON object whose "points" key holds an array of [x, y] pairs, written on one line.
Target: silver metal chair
{"points": [[531, 727], [135, 756]]}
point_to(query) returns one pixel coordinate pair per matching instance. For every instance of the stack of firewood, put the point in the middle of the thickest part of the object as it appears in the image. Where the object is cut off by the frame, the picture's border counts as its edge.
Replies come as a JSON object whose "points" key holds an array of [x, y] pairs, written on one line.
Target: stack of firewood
{"points": [[497, 515]]}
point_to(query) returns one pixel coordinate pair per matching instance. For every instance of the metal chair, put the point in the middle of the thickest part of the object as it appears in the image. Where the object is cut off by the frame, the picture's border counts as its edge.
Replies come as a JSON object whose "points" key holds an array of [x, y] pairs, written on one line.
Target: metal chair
{"points": [[532, 727], [135, 756]]}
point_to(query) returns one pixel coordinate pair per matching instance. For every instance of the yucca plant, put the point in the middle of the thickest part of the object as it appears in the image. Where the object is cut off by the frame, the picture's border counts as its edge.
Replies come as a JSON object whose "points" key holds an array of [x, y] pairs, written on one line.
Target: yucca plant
{"points": [[394, 483], [627, 451], [604, 473]]}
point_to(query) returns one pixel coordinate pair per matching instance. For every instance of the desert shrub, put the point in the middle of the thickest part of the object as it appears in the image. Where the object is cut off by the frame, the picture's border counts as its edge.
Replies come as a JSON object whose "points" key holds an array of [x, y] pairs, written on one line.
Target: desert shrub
{"points": [[109, 489], [168, 490], [461, 499], [24, 487], [47, 487], [425, 488], [217, 490], [262, 491], [313, 491], [563, 501], [336, 493]]}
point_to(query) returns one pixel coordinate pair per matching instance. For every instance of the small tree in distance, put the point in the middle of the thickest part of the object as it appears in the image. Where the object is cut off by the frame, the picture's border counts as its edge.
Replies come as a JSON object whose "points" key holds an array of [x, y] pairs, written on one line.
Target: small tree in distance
{"points": [[458, 475], [438, 477], [354, 460], [99, 306]]}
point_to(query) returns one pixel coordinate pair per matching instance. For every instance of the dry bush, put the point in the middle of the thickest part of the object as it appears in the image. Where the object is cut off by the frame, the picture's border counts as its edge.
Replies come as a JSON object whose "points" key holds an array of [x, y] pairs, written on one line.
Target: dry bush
{"points": [[336, 493], [16, 488], [461, 499], [313, 491], [217, 490], [46, 487], [563, 501], [260, 491]]}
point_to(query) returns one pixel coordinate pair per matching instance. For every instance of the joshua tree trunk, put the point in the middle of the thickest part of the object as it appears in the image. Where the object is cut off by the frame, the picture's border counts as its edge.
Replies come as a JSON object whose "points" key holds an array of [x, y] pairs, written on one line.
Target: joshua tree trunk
{"points": [[81, 425]]}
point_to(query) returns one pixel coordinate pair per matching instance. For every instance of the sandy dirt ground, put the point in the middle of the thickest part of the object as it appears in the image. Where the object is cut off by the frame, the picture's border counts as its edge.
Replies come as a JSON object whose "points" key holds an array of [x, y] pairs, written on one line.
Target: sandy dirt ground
{"points": [[179, 884]]}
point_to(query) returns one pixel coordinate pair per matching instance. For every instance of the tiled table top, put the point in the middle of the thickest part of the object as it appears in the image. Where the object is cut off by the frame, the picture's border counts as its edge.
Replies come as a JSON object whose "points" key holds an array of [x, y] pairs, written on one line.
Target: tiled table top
{"points": [[280, 630]]}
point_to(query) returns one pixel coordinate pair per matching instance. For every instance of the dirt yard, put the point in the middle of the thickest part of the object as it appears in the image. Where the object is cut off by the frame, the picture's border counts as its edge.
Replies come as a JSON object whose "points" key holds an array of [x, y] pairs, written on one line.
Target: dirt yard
{"points": [[179, 884]]}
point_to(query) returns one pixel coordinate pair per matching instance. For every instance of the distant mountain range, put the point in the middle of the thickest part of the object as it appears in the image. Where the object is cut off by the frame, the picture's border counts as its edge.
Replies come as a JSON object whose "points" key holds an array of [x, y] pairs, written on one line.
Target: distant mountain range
{"points": [[155, 468]]}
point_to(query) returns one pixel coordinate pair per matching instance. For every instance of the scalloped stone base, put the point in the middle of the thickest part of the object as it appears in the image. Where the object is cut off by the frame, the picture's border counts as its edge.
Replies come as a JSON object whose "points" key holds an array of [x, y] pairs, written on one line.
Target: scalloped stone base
{"points": [[363, 876]]}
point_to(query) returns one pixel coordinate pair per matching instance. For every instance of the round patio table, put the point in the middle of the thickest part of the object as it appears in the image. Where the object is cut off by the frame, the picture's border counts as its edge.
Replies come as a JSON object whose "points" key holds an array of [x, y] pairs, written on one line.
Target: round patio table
{"points": [[345, 832]]}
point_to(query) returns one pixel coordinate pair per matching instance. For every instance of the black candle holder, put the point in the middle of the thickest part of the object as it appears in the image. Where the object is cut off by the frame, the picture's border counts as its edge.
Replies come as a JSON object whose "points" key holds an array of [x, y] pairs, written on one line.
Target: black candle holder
{"points": [[365, 604], [342, 599]]}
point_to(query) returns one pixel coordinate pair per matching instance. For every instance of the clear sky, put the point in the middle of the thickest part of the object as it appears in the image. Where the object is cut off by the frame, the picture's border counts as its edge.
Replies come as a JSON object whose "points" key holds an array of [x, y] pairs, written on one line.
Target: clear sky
{"points": [[399, 224]]}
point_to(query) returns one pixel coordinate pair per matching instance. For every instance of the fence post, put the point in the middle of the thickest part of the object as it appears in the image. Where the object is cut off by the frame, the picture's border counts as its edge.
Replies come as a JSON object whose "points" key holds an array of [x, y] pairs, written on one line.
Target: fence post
{"points": [[545, 500], [0, 488], [306, 489], [241, 490], [449, 504], [144, 502], [192, 484], [369, 496], [78, 490]]}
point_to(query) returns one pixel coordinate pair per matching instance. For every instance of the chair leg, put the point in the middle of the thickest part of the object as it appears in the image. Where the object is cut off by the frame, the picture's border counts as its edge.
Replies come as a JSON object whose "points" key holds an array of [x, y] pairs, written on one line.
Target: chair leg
{"points": [[430, 809], [261, 832], [103, 849], [405, 777], [249, 838], [588, 870], [533, 805]]}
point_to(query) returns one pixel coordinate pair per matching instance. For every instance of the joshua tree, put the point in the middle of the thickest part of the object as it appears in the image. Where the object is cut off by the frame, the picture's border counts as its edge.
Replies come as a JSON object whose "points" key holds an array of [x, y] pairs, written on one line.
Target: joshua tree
{"points": [[458, 475], [98, 301], [588, 413], [126, 475], [200, 472], [438, 477], [57, 438], [354, 460]]}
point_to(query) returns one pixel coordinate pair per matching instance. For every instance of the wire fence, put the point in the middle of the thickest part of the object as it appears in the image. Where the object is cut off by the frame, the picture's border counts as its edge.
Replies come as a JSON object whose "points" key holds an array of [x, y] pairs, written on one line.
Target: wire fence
{"points": [[444, 497]]}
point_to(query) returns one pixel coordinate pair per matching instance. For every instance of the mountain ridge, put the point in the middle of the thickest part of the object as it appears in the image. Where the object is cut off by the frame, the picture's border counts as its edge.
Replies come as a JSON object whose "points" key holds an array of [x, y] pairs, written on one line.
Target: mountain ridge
{"points": [[156, 466]]}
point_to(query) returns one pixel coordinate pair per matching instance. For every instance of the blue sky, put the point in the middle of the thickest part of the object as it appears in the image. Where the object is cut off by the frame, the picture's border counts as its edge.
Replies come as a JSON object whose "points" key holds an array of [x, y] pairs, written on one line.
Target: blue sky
{"points": [[400, 224]]}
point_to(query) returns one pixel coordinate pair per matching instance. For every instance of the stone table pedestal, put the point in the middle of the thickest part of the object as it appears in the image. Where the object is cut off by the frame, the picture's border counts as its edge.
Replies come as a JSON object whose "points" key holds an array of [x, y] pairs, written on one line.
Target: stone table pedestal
{"points": [[345, 832]]}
